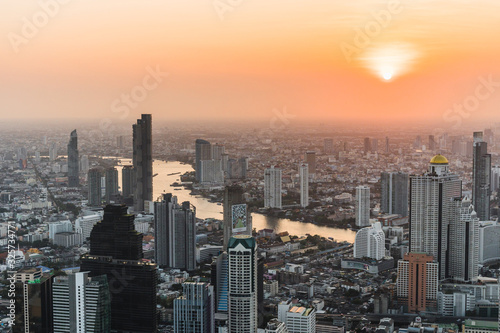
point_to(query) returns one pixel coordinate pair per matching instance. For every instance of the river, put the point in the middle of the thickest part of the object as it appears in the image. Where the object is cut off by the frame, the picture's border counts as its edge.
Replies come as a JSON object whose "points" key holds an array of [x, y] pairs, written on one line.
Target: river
{"points": [[206, 209]]}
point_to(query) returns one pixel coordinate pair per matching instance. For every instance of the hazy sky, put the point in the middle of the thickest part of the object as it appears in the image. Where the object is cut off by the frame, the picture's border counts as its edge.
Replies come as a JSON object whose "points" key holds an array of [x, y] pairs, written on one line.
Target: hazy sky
{"points": [[240, 59]]}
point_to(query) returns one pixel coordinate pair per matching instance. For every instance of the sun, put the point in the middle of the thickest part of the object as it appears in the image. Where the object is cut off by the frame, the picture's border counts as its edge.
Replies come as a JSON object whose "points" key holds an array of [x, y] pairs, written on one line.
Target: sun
{"points": [[390, 61]]}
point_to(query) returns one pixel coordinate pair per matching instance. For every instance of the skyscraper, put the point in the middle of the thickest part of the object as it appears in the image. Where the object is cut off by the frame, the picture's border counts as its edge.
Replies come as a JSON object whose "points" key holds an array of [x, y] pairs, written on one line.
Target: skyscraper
{"points": [[463, 250], [220, 280], [362, 206], [272, 188], [53, 151], [237, 218], [370, 242], [310, 159], [84, 164], [194, 310], [73, 161], [242, 300], [431, 209], [328, 146], [94, 187], [432, 143], [367, 145], [111, 184], [128, 181], [394, 193], [143, 161], [387, 146], [481, 177], [116, 251], [417, 283], [304, 185], [33, 301], [81, 304], [495, 178], [374, 145], [203, 153], [175, 233], [418, 142]]}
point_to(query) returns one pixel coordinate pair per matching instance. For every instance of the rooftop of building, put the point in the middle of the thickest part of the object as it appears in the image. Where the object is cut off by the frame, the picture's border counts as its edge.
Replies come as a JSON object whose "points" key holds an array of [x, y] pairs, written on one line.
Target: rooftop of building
{"points": [[490, 325], [439, 159], [246, 240]]}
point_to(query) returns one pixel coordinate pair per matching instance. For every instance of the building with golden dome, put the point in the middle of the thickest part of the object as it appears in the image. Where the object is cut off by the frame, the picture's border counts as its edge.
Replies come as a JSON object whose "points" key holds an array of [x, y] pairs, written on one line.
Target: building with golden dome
{"points": [[431, 210]]}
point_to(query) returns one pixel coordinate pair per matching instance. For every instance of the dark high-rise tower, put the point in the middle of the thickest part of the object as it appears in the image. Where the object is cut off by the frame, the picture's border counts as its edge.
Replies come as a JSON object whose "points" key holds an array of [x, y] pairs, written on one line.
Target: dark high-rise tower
{"points": [[143, 161], [203, 153], [394, 193], [111, 184], [73, 161], [175, 233], [116, 251], [310, 159], [94, 187], [33, 301], [481, 177], [237, 219], [127, 181]]}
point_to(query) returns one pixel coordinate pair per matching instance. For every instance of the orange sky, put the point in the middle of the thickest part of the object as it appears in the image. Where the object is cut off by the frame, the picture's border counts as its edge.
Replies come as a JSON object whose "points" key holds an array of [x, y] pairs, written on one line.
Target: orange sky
{"points": [[262, 55]]}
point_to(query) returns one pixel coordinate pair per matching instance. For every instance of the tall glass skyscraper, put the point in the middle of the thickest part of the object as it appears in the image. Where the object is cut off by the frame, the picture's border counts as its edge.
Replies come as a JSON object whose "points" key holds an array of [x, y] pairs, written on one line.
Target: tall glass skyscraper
{"points": [[203, 153], [304, 184], [362, 206], [111, 184], [175, 233], [394, 193], [481, 177], [116, 251], [194, 310], [143, 161], [94, 187], [73, 161]]}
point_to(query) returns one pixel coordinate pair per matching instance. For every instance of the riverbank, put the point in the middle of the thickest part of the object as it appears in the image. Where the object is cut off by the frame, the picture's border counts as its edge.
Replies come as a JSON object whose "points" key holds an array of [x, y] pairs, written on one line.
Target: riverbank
{"points": [[170, 172]]}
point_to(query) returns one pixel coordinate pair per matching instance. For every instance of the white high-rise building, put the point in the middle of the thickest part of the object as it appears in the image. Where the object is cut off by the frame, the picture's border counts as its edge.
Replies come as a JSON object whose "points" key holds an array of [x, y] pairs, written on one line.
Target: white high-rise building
{"points": [[211, 171], [464, 242], [84, 163], [85, 224], [304, 185], [272, 188], [370, 242], [81, 304], [57, 227], [298, 319], [431, 210], [53, 152], [495, 178], [242, 284], [362, 206]]}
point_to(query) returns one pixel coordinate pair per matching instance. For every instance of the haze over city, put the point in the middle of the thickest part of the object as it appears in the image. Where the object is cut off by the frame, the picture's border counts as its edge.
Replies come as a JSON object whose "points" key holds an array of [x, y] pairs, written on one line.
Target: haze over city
{"points": [[250, 166], [372, 61]]}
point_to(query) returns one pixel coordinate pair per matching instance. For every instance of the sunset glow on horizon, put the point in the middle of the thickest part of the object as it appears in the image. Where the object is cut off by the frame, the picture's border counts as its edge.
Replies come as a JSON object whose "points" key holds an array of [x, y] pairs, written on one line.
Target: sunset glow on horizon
{"points": [[369, 60]]}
